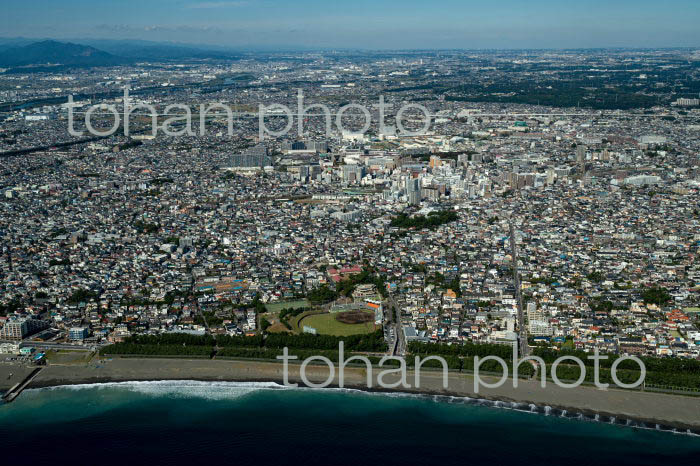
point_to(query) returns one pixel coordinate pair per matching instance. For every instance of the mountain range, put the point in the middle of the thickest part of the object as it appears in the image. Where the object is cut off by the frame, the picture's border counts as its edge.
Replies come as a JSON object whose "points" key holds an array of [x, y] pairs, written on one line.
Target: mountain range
{"points": [[19, 52], [60, 53]]}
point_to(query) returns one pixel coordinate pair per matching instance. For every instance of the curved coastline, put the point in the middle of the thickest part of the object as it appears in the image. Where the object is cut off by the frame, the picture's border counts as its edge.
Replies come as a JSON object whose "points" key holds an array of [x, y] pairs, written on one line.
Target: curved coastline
{"points": [[646, 410], [566, 412]]}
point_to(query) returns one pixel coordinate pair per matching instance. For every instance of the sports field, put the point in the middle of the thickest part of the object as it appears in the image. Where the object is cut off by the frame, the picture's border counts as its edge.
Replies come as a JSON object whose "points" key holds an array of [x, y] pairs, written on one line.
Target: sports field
{"points": [[326, 324], [278, 306]]}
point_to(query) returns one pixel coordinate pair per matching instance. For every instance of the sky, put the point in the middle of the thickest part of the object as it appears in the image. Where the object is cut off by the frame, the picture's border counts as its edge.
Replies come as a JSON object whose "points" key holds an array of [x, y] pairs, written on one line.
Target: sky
{"points": [[363, 24]]}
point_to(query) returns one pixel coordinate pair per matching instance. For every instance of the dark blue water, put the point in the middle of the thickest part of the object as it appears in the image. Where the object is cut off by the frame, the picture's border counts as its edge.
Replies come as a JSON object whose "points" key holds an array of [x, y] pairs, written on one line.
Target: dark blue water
{"points": [[257, 424]]}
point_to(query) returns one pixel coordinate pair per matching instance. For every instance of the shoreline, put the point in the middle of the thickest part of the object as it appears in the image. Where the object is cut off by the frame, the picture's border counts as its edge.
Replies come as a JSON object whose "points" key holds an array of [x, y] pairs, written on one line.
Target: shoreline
{"points": [[631, 408], [567, 412]]}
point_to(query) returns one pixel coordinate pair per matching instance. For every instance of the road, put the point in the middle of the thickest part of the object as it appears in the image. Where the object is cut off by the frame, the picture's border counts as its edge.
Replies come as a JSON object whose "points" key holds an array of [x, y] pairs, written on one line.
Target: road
{"points": [[58, 346], [196, 304], [486, 275], [398, 348], [522, 330]]}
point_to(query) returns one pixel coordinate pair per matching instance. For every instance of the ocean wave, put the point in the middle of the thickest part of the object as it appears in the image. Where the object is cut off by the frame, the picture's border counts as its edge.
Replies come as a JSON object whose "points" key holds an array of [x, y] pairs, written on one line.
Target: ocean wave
{"points": [[179, 388], [214, 390]]}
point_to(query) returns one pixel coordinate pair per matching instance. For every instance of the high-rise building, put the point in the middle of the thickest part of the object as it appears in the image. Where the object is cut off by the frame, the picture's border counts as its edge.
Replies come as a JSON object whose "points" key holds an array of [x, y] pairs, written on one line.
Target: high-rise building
{"points": [[538, 321], [304, 172], [550, 176], [687, 102], [347, 216], [413, 190], [352, 173], [581, 160], [19, 328], [431, 194], [318, 146], [78, 333], [256, 156]]}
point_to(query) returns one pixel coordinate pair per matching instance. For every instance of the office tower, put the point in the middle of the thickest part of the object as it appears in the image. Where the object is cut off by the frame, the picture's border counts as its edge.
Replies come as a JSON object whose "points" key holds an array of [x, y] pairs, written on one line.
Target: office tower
{"points": [[352, 173], [413, 190]]}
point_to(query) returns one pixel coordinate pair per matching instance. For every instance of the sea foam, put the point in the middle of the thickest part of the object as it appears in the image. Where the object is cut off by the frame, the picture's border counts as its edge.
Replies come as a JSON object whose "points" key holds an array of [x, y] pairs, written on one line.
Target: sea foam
{"points": [[180, 388]]}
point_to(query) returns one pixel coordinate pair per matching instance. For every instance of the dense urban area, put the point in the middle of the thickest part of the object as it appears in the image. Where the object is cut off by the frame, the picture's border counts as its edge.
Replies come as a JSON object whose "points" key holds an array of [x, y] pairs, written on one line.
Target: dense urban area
{"points": [[554, 200]]}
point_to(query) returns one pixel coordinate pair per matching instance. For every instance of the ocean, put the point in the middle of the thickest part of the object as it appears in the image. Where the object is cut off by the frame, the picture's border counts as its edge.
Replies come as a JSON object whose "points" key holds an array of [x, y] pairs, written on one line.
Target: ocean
{"points": [[204, 423]]}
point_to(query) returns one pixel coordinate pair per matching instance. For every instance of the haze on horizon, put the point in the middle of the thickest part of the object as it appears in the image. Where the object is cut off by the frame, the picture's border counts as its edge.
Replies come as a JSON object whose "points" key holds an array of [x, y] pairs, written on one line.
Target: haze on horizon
{"points": [[364, 24]]}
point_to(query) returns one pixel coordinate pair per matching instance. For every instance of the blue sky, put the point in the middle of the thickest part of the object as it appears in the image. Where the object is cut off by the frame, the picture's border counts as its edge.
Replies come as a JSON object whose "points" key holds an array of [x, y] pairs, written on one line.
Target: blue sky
{"points": [[373, 24]]}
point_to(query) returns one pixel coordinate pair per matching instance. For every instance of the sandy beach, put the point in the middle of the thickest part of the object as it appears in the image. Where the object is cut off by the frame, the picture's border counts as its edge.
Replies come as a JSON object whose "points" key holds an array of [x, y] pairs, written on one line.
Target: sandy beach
{"points": [[651, 408]]}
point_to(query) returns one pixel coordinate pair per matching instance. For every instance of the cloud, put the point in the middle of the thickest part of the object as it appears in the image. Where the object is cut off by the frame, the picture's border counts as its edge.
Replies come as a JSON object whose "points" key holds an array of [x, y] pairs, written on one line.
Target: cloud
{"points": [[126, 28], [210, 5]]}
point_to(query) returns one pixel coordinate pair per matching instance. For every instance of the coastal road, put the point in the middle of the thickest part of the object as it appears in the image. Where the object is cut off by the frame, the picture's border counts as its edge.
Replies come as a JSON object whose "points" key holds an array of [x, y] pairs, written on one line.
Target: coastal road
{"points": [[59, 346]]}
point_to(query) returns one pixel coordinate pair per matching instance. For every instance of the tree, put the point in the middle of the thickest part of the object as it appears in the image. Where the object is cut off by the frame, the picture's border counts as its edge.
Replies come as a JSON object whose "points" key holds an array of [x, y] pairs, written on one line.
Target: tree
{"points": [[656, 295], [419, 222], [322, 295], [10, 307], [81, 296], [454, 286]]}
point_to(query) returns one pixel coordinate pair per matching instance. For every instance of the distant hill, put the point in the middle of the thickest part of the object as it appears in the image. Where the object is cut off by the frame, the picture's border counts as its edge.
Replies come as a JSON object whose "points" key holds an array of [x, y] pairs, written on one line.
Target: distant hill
{"points": [[12, 42], [16, 53], [53, 52], [145, 50]]}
